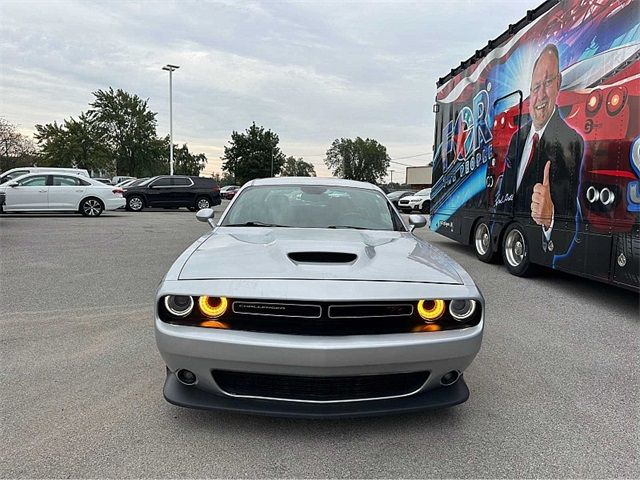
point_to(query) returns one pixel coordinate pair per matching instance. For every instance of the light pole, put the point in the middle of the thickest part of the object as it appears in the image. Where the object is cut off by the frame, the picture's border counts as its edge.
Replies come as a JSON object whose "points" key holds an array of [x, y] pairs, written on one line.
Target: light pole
{"points": [[170, 68]]}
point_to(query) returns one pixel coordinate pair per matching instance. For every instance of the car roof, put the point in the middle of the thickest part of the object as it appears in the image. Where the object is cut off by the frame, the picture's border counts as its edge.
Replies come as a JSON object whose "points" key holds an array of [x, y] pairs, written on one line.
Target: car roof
{"points": [[324, 181]]}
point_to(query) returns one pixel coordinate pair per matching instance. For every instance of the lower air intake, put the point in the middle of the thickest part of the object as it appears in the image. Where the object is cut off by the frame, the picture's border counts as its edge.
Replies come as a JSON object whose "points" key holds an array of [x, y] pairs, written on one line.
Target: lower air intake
{"points": [[319, 389]]}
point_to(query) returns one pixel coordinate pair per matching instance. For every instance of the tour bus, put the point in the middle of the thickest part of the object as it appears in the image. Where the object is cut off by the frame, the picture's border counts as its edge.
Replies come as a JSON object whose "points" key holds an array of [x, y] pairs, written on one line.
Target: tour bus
{"points": [[537, 144]]}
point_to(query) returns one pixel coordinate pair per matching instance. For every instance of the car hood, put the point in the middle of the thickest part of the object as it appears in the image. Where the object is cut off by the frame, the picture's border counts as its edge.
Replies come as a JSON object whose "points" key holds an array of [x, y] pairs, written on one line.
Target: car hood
{"points": [[306, 253]]}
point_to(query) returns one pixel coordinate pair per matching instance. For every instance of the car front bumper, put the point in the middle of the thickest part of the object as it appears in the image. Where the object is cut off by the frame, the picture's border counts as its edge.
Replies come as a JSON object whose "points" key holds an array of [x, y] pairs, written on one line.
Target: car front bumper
{"points": [[201, 351]]}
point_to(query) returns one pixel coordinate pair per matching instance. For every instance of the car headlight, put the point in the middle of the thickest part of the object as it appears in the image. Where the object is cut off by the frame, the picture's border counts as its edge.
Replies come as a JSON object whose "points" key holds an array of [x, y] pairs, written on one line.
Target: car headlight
{"points": [[461, 310], [213, 307], [178, 305], [431, 310]]}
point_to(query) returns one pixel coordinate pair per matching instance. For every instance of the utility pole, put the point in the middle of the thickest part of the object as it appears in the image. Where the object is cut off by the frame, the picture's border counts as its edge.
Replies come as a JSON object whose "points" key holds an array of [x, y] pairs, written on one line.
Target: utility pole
{"points": [[170, 68]]}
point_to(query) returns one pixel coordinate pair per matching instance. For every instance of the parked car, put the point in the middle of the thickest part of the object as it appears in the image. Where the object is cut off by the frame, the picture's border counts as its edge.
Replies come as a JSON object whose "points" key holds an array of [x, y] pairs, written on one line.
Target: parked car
{"points": [[119, 178], [52, 192], [229, 191], [173, 191], [398, 194], [312, 297], [106, 181], [19, 171], [124, 183], [420, 201]]}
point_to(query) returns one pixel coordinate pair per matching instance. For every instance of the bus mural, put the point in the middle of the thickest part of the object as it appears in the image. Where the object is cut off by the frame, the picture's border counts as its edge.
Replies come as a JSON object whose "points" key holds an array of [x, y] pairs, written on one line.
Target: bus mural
{"points": [[537, 143]]}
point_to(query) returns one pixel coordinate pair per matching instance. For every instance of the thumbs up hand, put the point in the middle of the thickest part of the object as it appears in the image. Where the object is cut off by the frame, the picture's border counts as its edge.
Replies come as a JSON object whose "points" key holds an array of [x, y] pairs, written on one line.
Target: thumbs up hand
{"points": [[541, 203]]}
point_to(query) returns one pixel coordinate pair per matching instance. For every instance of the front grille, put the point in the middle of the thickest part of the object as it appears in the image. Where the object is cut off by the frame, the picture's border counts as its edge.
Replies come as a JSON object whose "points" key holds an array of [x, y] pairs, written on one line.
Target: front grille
{"points": [[319, 389], [322, 318]]}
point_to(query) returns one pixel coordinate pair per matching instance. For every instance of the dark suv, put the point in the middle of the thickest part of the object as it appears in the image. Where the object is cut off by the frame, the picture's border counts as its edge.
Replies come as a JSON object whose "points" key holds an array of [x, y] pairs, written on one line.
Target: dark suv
{"points": [[173, 191]]}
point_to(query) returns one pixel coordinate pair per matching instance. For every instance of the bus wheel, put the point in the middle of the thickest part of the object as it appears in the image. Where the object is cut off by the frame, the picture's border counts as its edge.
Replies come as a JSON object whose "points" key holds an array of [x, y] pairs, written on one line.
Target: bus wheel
{"points": [[482, 243], [515, 251]]}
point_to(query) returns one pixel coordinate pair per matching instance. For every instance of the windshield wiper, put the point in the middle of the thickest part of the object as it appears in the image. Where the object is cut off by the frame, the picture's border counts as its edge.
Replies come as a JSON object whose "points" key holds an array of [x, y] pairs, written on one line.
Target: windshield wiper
{"points": [[255, 224], [347, 226]]}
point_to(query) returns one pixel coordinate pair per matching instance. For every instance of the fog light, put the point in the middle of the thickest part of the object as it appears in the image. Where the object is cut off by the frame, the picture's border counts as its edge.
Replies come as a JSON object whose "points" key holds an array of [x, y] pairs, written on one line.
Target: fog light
{"points": [[186, 376], [431, 310], [178, 305], [213, 307], [462, 309]]}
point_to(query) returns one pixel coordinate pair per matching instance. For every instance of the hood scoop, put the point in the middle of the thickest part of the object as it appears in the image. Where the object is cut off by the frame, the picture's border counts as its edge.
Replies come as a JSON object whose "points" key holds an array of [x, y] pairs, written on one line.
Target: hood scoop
{"points": [[322, 257]]}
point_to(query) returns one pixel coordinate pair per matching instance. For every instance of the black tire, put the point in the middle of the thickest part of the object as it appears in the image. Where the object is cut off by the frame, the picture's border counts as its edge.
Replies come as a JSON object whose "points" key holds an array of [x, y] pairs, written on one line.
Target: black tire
{"points": [[91, 207], [135, 203], [202, 202], [425, 207], [515, 251], [192, 209], [405, 210], [481, 243]]}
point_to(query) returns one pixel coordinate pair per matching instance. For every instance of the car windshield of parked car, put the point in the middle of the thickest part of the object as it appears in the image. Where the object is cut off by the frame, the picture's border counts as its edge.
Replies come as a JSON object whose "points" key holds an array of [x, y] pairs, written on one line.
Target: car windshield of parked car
{"points": [[396, 195], [10, 176], [423, 193], [311, 206]]}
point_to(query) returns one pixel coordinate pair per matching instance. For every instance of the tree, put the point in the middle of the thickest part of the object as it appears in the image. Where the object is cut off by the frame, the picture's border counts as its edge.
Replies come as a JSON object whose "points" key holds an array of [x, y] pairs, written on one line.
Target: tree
{"points": [[225, 179], [297, 168], [186, 163], [129, 131], [75, 143], [16, 149], [250, 154], [364, 160]]}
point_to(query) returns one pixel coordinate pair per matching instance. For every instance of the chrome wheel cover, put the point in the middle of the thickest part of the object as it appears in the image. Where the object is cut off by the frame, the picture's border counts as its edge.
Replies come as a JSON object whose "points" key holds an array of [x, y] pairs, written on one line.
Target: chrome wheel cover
{"points": [[135, 203], [482, 239], [515, 248], [92, 208], [203, 203]]}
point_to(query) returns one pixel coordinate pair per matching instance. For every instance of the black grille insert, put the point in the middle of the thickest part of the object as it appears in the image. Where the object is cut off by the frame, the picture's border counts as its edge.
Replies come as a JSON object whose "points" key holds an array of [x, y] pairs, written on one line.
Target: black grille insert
{"points": [[319, 389]]}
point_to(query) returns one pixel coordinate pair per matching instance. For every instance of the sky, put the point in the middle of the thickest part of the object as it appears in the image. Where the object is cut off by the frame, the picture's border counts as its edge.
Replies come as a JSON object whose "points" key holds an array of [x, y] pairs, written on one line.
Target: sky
{"points": [[311, 71]]}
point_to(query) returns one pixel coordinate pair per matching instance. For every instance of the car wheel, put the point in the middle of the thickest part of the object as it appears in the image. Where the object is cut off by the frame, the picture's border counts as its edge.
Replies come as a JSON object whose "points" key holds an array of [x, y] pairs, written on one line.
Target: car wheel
{"points": [[482, 243], [91, 207], [192, 209], [515, 251], [425, 207], [135, 203], [203, 202]]}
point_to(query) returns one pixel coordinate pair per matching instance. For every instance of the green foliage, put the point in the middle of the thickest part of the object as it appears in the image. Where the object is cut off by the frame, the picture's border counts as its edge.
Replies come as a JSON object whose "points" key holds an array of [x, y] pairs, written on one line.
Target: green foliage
{"points": [[16, 150], [186, 163], [297, 168], [250, 154], [75, 143], [225, 179], [129, 131], [363, 160]]}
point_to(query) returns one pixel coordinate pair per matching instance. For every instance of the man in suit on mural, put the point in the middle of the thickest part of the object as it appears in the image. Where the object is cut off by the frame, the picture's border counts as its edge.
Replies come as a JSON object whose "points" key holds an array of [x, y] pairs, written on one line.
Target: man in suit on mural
{"points": [[543, 163]]}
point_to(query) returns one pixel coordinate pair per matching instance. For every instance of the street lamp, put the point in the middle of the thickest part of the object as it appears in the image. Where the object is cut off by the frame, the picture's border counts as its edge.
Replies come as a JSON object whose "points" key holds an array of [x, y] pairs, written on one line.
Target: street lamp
{"points": [[170, 68]]}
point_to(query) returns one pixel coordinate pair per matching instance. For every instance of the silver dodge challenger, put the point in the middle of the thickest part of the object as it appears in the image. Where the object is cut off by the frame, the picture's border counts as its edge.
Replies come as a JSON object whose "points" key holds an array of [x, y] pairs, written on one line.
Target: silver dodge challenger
{"points": [[311, 297]]}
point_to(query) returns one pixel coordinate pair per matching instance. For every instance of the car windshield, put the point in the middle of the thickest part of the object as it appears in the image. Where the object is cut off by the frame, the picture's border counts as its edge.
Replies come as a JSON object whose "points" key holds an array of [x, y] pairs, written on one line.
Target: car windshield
{"points": [[423, 193], [142, 182], [10, 176], [311, 206]]}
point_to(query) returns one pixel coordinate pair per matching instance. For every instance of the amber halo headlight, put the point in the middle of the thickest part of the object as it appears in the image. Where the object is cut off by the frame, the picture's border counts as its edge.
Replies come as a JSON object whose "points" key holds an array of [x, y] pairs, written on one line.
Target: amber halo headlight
{"points": [[431, 310], [213, 307], [462, 310], [178, 305]]}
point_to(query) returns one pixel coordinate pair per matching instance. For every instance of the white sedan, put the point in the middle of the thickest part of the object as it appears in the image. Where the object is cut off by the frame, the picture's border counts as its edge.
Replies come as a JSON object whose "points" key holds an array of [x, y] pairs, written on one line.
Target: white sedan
{"points": [[54, 192]]}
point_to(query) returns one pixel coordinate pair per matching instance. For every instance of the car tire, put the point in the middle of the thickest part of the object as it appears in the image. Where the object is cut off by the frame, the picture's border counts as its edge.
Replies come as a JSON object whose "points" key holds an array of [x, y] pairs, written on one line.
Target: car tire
{"points": [[425, 207], [515, 251], [135, 203], [91, 207], [202, 202], [192, 209], [481, 243]]}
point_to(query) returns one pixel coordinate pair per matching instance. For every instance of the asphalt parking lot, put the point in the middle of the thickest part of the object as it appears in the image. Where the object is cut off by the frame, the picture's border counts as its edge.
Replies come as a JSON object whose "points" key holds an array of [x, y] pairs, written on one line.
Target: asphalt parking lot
{"points": [[554, 390]]}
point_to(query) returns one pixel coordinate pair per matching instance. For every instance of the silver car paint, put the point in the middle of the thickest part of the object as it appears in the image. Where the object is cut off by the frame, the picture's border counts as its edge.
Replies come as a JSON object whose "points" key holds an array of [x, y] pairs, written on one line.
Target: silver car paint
{"points": [[203, 270]]}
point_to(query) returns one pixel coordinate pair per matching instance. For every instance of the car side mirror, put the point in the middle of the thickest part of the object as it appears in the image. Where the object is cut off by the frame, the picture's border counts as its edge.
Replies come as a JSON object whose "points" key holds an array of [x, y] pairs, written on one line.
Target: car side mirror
{"points": [[417, 221], [14, 184], [206, 215]]}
